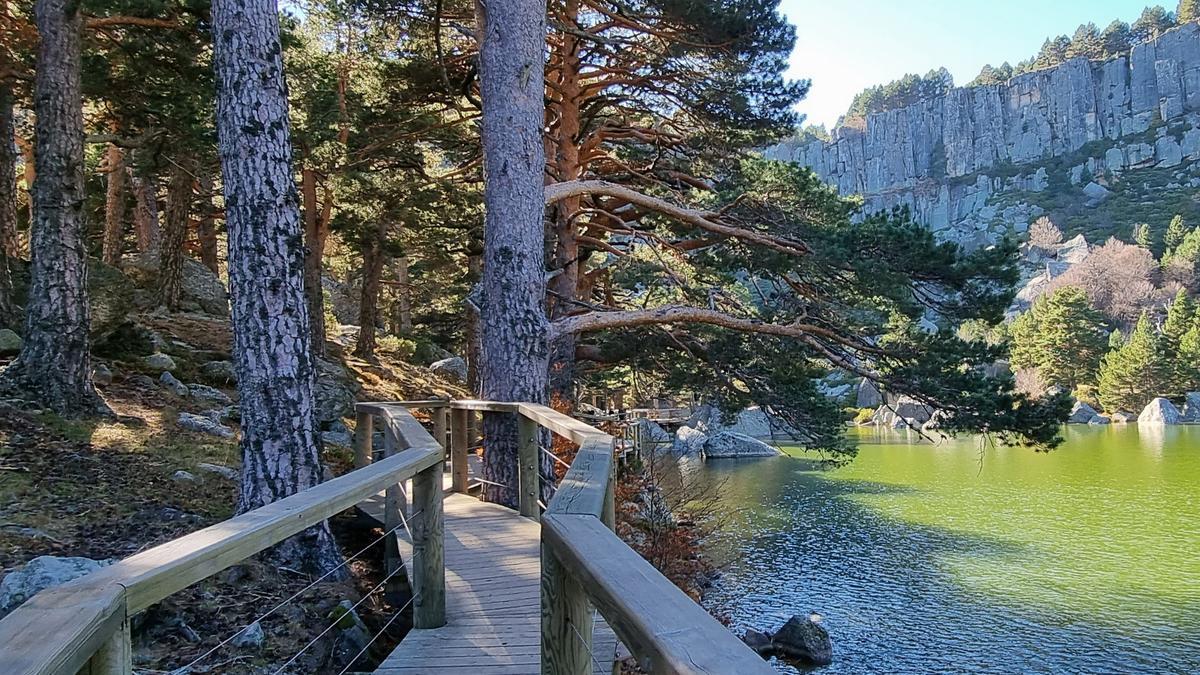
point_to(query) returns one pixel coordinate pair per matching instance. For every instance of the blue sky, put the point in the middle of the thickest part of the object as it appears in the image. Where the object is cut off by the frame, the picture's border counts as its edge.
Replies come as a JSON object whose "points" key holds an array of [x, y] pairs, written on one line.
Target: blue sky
{"points": [[846, 46]]}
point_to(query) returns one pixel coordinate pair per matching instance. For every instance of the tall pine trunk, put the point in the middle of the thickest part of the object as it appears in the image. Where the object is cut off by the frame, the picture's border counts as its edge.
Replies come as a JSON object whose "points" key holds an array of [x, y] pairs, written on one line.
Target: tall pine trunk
{"points": [[114, 204], [170, 255], [280, 446], [145, 215], [368, 307], [8, 199], [316, 231], [54, 366], [403, 313], [206, 228], [513, 325]]}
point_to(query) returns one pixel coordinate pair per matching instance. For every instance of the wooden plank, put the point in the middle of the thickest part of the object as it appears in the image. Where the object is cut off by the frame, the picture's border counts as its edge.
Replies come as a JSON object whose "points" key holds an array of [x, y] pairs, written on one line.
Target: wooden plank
{"points": [[58, 630], [363, 432], [528, 461], [115, 657], [661, 625], [583, 489], [429, 575], [458, 450], [483, 406], [566, 621], [563, 425]]}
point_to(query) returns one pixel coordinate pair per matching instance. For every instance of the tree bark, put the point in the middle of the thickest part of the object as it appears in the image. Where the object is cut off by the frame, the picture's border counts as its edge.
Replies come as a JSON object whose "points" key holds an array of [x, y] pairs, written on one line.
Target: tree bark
{"points": [[170, 255], [114, 204], [280, 445], [9, 244], [316, 231], [513, 324], [145, 215], [368, 306], [404, 322], [54, 366], [206, 227], [27, 154]]}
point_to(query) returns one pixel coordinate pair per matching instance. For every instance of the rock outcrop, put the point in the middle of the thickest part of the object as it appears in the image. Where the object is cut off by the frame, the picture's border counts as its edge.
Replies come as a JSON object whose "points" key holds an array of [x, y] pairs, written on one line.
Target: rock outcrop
{"points": [[41, 573], [1082, 413], [972, 163]]}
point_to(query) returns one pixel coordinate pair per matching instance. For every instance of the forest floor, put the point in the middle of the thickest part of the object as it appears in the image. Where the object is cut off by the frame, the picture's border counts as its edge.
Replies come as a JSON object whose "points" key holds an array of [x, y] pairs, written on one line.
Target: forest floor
{"points": [[106, 489]]}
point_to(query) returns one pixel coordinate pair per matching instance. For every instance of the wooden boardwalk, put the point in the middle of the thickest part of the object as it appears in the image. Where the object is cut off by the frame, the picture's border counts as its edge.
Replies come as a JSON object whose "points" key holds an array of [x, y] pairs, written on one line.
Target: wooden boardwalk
{"points": [[493, 587]]}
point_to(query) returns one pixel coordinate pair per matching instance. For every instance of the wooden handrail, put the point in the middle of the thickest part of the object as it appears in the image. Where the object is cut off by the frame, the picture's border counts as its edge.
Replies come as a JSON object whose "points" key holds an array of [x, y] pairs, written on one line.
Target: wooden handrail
{"points": [[59, 630]]}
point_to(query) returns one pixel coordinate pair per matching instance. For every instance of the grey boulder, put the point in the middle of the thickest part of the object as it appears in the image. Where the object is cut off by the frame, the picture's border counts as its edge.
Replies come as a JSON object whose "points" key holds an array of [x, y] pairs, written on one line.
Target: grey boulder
{"points": [[803, 639], [732, 445], [172, 384], [453, 368], [41, 573], [1081, 413], [203, 425], [1160, 412], [10, 342]]}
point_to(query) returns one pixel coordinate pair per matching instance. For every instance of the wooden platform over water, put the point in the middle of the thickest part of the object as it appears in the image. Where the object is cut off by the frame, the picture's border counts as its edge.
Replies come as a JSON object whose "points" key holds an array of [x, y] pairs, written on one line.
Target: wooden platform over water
{"points": [[493, 587]]}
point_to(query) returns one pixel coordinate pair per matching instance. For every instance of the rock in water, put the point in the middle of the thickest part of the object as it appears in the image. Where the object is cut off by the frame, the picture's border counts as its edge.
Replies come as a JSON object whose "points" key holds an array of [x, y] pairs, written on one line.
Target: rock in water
{"points": [[1191, 407], [1160, 412], [804, 639], [1081, 413], [758, 641], [203, 425], [453, 368], [689, 441], [41, 573], [1121, 418], [729, 444], [10, 342]]}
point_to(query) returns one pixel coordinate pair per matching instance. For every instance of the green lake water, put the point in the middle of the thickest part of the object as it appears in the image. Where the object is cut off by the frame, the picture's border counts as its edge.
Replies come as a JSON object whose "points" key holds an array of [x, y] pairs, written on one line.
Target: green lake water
{"points": [[958, 558]]}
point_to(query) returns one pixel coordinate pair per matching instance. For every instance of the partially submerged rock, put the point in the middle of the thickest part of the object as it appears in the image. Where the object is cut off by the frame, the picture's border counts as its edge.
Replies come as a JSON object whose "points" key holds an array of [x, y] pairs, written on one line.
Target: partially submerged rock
{"points": [[41, 573], [1081, 413], [732, 445], [804, 639], [1191, 407], [689, 440], [1160, 412]]}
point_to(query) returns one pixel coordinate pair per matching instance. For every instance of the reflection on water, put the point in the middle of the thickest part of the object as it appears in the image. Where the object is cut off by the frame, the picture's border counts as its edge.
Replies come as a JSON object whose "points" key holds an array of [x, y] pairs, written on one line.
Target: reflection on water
{"points": [[966, 558]]}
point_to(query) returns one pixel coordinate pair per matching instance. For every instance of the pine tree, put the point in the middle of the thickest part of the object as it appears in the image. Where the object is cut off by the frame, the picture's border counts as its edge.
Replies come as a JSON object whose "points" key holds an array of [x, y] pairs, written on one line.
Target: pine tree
{"points": [[280, 444], [1187, 10], [1142, 236], [1188, 358], [1181, 315], [1176, 231], [1132, 375], [1061, 336]]}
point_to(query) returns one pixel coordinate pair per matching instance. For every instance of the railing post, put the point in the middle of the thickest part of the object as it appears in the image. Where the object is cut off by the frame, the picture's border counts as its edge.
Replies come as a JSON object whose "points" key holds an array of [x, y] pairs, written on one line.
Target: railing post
{"points": [[394, 508], [458, 450], [114, 658], [363, 431], [609, 515], [565, 612], [429, 572], [439, 427], [528, 462]]}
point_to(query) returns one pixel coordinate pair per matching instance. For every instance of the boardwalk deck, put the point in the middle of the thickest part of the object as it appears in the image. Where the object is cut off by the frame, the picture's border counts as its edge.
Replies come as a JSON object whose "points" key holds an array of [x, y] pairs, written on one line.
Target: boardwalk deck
{"points": [[493, 621]]}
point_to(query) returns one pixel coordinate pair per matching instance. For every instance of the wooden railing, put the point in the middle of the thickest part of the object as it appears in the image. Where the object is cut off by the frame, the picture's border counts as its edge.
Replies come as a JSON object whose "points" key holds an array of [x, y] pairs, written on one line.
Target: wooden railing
{"points": [[83, 626]]}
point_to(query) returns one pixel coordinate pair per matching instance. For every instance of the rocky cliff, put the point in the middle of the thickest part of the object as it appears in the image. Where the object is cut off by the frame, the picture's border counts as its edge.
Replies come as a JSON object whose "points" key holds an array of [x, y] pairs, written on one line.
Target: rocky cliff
{"points": [[1097, 145]]}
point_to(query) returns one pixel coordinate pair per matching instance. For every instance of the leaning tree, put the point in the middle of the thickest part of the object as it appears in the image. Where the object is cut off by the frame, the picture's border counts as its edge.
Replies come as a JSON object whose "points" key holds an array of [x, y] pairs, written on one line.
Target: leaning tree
{"points": [[280, 445]]}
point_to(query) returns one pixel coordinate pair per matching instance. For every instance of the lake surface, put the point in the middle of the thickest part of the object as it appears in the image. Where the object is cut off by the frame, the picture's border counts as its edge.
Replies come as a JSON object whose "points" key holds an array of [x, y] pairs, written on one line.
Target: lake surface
{"points": [[957, 558]]}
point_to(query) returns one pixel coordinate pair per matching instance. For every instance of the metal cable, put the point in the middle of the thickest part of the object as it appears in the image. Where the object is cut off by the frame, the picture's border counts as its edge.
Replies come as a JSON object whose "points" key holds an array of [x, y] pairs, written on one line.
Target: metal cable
{"points": [[382, 629], [587, 643], [353, 607], [295, 595]]}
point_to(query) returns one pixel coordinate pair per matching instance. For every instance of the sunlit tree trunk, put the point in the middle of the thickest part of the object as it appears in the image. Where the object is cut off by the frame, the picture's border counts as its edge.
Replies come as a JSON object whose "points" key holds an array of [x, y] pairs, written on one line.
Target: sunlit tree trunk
{"points": [[114, 204], [145, 214], [54, 366], [8, 198], [513, 325], [404, 321], [280, 446], [316, 231]]}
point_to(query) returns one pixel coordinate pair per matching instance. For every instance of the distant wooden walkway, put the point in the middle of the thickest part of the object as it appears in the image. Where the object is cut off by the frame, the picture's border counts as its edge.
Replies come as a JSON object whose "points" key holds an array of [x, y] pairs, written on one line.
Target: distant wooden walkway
{"points": [[493, 600]]}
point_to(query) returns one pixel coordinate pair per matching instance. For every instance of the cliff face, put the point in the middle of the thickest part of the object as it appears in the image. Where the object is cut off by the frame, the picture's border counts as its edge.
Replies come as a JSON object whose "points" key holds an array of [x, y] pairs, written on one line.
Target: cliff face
{"points": [[981, 161]]}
